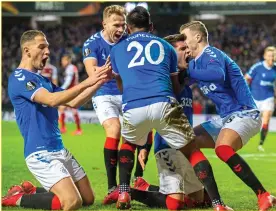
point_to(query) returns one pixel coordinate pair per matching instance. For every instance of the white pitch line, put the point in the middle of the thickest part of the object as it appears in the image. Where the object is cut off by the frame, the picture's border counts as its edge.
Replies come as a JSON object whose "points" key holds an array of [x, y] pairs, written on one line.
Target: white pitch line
{"points": [[253, 155]]}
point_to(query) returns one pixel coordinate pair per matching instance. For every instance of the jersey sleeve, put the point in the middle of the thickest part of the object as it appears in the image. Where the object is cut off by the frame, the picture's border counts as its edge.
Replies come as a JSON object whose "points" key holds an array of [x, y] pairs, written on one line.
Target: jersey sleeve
{"points": [[211, 70], [173, 62], [90, 50], [56, 88], [25, 86], [113, 62], [252, 71]]}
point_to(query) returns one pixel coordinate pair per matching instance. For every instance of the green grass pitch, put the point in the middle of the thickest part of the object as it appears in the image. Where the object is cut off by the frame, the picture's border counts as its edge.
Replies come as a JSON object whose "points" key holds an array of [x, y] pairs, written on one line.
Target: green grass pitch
{"points": [[88, 149]]}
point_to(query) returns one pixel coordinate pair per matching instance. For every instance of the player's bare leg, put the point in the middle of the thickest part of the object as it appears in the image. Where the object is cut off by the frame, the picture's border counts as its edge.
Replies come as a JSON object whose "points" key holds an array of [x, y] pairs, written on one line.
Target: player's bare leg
{"points": [[78, 130], [203, 139], [266, 115], [68, 194], [112, 129], [61, 110], [86, 191], [82, 185], [63, 195], [227, 144]]}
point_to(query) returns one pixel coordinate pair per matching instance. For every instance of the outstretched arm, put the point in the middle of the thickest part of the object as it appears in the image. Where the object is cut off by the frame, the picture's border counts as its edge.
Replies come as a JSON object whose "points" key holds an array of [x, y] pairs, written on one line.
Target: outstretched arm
{"points": [[93, 82], [87, 94]]}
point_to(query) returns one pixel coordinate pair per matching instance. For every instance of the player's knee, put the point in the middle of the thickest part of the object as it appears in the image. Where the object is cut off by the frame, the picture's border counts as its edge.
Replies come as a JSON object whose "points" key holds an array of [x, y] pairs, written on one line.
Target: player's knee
{"points": [[75, 111], [89, 200], [112, 128], [265, 122], [61, 109], [72, 203], [174, 204]]}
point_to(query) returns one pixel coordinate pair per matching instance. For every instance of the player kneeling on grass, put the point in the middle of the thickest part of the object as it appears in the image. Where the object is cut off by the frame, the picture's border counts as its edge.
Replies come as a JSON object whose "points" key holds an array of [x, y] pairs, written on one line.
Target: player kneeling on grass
{"points": [[179, 186], [35, 98]]}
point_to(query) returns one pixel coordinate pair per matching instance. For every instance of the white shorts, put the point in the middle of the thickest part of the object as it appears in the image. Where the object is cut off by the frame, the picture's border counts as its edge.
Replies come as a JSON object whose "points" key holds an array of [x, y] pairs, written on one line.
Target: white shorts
{"points": [[167, 118], [176, 175], [246, 123], [107, 106], [51, 167], [265, 105]]}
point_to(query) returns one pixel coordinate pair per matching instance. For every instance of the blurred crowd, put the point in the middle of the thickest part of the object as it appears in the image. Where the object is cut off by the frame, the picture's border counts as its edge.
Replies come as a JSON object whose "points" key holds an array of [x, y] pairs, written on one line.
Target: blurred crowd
{"points": [[243, 41]]}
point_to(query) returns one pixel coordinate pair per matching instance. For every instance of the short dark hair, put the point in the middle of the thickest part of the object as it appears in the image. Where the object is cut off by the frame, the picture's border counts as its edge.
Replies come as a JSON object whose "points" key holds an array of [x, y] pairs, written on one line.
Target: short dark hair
{"points": [[30, 36], [172, 39], [139, 17]]}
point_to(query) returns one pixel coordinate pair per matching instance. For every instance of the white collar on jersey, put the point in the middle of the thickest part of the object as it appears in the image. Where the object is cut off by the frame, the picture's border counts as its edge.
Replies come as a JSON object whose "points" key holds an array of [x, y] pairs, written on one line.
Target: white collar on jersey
{"points": [[267, 67], [202, 52], [109, 43], [36, 73]]}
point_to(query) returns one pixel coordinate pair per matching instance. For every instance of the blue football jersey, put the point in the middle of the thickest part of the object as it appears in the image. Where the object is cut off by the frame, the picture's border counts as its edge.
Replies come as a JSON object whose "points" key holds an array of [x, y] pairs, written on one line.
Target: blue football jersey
{"points": [[98, 48], [186, 100], [38, 123], [145, 63], [263, 81], [221, 80]]}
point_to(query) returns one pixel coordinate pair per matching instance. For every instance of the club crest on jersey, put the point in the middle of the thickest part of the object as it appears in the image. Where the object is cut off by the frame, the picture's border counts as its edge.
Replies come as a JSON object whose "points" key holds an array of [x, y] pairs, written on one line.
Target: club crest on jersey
{"points": [[30, 85], [208, 88], [103, 56], [87, 51]]}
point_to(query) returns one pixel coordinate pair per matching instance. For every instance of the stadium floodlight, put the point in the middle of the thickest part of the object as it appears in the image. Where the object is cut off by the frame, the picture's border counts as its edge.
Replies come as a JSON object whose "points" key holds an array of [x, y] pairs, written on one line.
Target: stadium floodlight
{"points": [[131, 5], [143, 4], [47, 18], [209, 17]]}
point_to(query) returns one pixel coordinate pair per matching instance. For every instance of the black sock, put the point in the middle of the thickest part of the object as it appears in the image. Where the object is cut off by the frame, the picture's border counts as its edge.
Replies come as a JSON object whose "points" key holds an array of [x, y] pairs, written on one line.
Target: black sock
{"points": [[263, 135], [111, 159], [153, 188], [243, 171], [40, 190], [39, 201], [126, 163], [205, 175], [151, 199]]}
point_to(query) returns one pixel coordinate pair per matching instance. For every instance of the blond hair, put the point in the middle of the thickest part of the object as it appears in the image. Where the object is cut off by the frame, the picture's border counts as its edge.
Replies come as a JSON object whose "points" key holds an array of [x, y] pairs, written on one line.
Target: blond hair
{"points": [[30, 35], [197, 26], [114, 9], [269, 48]]}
